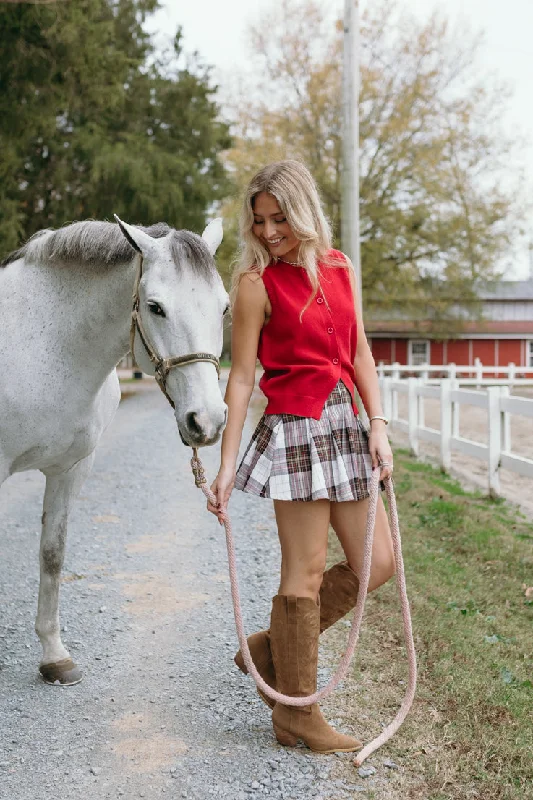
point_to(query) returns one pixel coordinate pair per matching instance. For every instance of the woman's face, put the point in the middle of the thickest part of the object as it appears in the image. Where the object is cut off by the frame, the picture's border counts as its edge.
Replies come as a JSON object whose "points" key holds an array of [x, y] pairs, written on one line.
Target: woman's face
{"points": [[272, 229]]}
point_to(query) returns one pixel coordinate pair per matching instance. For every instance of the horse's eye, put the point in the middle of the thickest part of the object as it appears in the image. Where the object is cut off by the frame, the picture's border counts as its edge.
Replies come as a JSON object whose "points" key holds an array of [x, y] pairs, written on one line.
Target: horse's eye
{"points": [[156, 309], [226, 311]]}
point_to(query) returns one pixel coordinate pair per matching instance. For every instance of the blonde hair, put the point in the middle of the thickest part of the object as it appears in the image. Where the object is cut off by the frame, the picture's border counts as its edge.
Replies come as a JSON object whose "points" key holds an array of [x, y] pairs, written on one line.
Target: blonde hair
{"points": [[293, 186]]}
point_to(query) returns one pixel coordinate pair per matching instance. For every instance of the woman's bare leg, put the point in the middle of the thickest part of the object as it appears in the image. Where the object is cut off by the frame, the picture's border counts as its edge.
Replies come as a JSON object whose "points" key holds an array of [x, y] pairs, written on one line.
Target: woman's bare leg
{"points": [[348, 520], [303, 535]]}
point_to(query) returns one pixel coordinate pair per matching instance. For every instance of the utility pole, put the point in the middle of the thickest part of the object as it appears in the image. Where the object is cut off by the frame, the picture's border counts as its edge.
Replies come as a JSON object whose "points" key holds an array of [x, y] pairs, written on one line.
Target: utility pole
{"points": [[350, 141]]}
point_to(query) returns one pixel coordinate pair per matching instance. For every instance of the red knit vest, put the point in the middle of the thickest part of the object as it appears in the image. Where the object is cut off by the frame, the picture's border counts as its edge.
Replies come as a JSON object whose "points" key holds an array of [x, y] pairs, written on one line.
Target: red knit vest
{"points": [[304, 359]]}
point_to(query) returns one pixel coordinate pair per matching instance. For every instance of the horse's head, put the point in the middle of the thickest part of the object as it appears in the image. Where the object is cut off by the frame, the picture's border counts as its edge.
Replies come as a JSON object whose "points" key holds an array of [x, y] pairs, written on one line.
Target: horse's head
{"points": [[181, 304]]}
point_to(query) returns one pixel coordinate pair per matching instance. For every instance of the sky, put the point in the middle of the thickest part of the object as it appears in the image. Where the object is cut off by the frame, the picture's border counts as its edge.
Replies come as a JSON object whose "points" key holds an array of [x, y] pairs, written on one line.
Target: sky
{"points": [[216, 29]]}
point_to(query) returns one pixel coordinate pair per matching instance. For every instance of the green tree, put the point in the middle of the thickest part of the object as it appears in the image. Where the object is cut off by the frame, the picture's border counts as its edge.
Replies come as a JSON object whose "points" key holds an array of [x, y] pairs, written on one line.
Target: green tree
{"points": [[439, 195], [94, 121]]}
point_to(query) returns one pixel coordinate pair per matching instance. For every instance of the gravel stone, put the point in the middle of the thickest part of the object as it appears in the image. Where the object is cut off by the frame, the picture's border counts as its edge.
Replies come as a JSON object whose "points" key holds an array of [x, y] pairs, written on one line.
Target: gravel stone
{"points": [[366, 772]]}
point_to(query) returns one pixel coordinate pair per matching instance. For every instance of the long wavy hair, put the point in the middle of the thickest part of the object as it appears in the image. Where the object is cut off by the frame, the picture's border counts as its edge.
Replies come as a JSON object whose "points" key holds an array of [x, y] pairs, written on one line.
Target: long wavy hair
{"points": [[293, 186]]}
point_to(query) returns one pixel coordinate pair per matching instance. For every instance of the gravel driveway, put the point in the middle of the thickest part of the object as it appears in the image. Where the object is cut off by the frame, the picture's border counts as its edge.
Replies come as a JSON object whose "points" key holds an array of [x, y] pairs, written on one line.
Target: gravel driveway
{"points": [[146, 610]]}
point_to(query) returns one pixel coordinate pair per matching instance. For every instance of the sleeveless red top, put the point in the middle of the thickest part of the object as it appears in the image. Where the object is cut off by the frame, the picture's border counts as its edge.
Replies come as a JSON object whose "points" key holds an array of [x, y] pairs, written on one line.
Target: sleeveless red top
{"points": [[303, 360]]}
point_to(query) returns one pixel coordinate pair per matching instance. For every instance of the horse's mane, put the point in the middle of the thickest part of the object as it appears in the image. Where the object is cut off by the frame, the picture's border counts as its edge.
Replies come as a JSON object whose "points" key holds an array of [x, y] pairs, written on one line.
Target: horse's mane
{"points": [[102, 244]]}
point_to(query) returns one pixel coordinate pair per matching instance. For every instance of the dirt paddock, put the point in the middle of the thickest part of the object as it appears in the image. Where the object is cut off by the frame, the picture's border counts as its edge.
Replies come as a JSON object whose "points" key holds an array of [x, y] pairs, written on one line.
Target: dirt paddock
{"points": [[473, 424]]}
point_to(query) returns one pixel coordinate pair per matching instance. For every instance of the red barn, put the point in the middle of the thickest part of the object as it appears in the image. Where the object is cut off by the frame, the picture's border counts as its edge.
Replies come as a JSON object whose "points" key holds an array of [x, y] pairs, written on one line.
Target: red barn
{"points": [[504, 335]]}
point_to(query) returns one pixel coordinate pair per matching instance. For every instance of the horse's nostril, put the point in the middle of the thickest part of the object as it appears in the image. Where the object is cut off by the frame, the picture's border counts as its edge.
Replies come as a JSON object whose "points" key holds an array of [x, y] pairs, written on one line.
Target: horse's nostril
{"points": [[192, 424], [202, 428]]}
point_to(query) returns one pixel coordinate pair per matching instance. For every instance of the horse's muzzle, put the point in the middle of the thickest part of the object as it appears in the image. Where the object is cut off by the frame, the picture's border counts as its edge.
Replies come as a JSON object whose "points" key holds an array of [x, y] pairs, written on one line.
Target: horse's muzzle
{"points": [[198, 429]]}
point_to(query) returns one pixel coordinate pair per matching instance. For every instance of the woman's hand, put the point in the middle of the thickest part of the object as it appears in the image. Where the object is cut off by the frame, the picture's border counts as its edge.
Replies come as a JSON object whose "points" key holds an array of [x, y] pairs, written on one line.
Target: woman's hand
{"points": [[222, 487], [380, 449]]}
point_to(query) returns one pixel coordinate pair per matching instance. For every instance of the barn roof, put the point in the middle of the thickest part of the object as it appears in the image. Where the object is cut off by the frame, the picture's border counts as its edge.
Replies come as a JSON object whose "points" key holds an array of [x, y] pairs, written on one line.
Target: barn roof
{"points": [[508, 290], [520, 328]]}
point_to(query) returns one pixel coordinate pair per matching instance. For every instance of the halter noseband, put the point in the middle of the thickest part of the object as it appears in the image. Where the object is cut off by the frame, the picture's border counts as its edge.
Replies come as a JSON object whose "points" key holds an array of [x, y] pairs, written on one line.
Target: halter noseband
{"points": [[162, 365]]}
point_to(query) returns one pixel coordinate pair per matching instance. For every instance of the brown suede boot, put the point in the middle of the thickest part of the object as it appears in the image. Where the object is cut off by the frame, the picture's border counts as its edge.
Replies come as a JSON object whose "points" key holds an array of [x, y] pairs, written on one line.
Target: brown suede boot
{"points": [[294, 632], [338, 594]]}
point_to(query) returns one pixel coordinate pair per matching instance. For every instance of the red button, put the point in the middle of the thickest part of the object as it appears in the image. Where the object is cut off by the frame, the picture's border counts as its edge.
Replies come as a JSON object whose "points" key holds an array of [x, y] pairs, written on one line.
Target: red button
{"points": [[319, 300], [330, 330], [335, 360]]}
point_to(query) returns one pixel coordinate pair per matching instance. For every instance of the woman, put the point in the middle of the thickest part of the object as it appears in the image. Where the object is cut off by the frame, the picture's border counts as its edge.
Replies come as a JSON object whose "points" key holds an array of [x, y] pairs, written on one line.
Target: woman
{"points": [[294, 308]]}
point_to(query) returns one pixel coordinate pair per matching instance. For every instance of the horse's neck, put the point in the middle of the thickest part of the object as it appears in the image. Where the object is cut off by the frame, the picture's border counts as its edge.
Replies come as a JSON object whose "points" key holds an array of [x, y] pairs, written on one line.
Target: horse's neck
{"points": [[93, 317], [112, 305]]}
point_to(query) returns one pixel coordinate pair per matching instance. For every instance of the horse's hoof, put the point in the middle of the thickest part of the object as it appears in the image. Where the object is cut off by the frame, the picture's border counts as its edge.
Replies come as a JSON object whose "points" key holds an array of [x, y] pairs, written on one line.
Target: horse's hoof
{"points": [[61, 673]]}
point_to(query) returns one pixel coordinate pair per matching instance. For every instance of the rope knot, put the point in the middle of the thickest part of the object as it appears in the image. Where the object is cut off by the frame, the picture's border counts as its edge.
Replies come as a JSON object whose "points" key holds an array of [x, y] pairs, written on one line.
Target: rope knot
{"points": [[198, 470]]}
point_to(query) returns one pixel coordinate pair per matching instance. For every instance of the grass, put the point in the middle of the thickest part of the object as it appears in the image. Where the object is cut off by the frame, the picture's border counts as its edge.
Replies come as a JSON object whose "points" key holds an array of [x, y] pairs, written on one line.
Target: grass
{"points": [[468, 560]]}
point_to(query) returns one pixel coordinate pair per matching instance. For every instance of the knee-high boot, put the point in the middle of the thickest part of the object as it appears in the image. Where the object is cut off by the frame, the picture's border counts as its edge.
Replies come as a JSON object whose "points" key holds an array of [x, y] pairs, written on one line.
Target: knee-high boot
{"points": [[294, 632], [338, 594]]}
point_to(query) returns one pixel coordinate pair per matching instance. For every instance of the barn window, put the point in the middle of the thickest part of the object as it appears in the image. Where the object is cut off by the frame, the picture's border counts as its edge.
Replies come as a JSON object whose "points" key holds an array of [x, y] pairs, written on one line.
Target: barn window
{"points": [[418, 352], [529, 355]]}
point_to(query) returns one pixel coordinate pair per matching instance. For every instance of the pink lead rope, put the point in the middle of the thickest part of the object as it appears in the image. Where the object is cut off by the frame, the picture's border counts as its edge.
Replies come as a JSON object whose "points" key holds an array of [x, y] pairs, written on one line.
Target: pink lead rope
{"points": [[353, 637]]}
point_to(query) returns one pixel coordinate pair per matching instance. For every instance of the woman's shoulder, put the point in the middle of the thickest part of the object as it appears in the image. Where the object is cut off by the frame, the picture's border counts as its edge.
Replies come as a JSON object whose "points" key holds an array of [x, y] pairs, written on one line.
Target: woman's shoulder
{"points": [[250, 293], [334, 258], [252, 276], [249, 272]]}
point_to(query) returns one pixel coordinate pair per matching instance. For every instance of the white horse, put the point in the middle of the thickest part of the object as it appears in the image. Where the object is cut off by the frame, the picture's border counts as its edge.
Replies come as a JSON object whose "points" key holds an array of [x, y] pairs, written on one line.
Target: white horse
{"points": [[66, 312]]}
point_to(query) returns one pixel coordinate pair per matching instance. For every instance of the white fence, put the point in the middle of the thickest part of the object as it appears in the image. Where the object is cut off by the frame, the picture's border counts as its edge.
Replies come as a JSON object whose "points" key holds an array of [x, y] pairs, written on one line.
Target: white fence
{"points": [[495, 401], [469, 374]]}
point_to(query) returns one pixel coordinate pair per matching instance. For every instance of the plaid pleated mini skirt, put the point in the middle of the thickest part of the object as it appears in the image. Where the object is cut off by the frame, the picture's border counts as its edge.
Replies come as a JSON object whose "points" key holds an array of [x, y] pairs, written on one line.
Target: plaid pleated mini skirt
{"points": [[300, 458]]}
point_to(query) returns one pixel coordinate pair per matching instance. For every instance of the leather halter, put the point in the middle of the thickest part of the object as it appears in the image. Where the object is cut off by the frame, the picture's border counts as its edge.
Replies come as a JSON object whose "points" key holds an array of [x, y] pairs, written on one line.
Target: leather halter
{"points": [[162, 365]]}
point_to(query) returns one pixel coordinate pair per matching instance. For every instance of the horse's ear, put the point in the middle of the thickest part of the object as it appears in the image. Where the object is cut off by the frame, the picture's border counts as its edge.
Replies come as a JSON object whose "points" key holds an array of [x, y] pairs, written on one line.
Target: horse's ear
{"points": [[213, 234], [138, 239]]}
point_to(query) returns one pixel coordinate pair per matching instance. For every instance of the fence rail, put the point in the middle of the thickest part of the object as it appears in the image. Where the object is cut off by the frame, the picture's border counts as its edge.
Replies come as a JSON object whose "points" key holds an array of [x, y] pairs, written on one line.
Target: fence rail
{"points": [[466, 374], [496, 401]]}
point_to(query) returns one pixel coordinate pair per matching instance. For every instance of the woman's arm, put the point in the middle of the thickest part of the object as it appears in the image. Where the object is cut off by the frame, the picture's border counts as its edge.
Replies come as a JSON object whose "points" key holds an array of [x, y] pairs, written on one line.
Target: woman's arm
{"points": [[247, 320]]}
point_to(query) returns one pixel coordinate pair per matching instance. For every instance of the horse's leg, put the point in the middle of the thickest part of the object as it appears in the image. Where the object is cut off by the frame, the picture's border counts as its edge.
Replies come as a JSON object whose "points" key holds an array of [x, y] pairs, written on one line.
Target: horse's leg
{"points": [[56, 666]]}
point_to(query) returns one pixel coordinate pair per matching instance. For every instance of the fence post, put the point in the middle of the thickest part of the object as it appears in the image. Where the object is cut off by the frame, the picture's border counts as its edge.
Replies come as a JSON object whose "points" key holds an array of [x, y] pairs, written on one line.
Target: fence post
{"points": [[412, 413], [479, 371], [505, 422], [445, 424], [381, 371], [493, 420], [512, 373], [420, 406], [394, 394], [424, 373], [387, 400], [454, 384], [452, 371]]}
